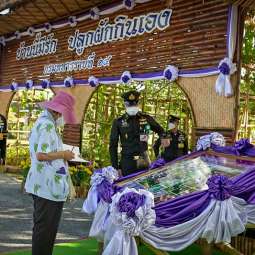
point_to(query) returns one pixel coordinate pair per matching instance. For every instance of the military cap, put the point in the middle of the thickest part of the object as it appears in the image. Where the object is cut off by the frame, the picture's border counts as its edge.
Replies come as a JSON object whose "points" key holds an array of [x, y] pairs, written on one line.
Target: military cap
{"points": [[131, 97], [173, 118]]}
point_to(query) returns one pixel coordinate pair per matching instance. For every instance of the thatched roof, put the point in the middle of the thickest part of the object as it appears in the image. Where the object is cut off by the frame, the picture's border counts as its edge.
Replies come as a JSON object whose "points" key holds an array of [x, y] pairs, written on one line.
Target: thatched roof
{"points": [[13, 4]]}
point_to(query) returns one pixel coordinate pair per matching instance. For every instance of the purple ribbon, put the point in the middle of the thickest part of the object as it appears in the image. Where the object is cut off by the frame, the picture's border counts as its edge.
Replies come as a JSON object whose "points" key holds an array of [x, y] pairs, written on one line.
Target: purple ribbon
{"points": [[128, 3], [241, 146], [158, 163], [125, 78], [106, 190], [44, 85], [68, 84], [92, 13], [168, 74], [220, 187], [47, 26], [12, 88], [224, 68], [71, 20], [92, 84], [130, 202]]}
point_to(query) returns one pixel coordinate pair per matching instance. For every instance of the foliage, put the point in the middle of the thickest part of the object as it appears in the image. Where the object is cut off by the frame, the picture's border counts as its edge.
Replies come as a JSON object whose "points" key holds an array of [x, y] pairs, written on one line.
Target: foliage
{"points": [[25, 166], [80, 175], [248, 42], [13, 151], [158, 98]]}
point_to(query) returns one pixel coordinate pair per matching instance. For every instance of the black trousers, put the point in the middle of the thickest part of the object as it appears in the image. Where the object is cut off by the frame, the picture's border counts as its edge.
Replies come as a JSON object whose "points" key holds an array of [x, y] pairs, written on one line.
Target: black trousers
{"points": [[47, 216]]}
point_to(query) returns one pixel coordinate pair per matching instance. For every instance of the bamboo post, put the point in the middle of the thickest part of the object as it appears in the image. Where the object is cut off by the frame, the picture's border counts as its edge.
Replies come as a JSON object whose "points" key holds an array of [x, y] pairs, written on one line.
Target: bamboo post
{"points": [[206, 248], [100, 247], [229, 249]]}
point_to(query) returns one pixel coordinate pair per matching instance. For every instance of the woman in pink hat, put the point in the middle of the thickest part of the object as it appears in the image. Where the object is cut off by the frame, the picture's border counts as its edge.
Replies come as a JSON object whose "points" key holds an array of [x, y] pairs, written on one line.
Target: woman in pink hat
{"points": [[47, 178]]}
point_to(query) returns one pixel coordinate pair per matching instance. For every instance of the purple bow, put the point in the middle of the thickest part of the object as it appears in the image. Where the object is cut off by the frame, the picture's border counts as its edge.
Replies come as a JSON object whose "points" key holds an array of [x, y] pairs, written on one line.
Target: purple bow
{"points": [[44, 85], [158, 163], [241, 146], [92, 84], [27, 86], [224, 68], [12, 88], [128, 3], [168, 75], [68, 84], [92, 13], [220, 187], [130, 202], [106, 190], [125, 78]]}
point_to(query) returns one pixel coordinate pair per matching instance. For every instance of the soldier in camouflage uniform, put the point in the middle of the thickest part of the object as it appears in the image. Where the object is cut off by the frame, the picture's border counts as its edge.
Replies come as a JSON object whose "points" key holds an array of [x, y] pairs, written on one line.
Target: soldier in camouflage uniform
{"points": [[133, 129], [178, 141]]}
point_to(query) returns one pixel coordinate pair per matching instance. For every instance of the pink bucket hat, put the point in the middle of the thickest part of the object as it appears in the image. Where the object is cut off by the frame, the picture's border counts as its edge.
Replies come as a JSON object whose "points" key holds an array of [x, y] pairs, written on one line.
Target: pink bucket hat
{"points": [[63, 102]]}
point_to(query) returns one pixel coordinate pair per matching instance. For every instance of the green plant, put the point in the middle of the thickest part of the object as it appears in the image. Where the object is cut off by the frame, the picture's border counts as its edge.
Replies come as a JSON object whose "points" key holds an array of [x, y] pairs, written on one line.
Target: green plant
{"points": [[80, 175], [25, 166]]}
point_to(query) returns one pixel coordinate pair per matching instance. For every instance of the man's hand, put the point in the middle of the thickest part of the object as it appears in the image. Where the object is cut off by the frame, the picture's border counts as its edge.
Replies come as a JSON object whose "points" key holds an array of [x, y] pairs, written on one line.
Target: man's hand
{"points": [[165, 142], [120, 173]]}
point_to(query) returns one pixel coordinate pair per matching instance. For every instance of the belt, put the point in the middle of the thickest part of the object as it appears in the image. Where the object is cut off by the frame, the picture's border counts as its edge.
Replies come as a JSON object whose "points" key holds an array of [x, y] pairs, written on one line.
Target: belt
{"points": [[131, 157]]}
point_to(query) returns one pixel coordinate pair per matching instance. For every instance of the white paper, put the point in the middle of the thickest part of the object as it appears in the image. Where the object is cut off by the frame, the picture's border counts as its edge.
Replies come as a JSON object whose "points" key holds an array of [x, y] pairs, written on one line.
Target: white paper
{"points": [[75, 150]]}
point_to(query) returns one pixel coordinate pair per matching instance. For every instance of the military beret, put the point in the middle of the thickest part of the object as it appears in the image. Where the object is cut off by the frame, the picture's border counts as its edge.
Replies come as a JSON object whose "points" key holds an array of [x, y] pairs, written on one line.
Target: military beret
{"points": [[173, 118], [131, 97]]}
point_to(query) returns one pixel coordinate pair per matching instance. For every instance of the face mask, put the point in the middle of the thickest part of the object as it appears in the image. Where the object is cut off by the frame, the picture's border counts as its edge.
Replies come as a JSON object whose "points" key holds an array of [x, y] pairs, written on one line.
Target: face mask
{"points": [[171, 125], [61, 121], [132, 111]]}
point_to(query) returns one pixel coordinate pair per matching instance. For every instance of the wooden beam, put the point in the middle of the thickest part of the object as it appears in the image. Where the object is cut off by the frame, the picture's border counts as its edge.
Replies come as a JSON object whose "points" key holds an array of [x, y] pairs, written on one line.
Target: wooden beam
{"points": [[53, 9], [32, 15], [64, 6], [41, 11], [78, 4]]}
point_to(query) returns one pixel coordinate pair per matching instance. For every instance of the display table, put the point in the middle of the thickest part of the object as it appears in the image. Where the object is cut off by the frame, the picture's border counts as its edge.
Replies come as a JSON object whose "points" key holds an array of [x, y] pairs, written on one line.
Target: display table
{"points": [[209, 195]]}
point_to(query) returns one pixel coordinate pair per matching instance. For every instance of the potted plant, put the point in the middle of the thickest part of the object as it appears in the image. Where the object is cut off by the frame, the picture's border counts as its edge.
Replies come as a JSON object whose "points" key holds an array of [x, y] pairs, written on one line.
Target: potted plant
{"points": [[80, 176], [25, 166]]}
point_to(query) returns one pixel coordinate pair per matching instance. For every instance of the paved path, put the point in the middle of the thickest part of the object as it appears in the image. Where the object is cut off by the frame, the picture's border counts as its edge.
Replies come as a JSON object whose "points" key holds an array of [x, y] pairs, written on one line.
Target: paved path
{"points": [[16, 218]]}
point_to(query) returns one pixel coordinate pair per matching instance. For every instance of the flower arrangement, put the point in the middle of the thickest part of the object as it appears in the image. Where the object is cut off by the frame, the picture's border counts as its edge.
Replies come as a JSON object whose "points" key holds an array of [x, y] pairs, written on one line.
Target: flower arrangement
{"points": [[80, 175], [25, 166]]}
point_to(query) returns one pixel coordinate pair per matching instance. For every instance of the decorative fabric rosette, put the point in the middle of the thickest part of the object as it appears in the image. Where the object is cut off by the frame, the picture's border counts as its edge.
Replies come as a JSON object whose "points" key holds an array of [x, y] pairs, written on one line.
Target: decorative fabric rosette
{"points": [[218, 139], [101, 179], [206, 141], [2, 40], [94, 13], [126, 77], [14, 86], [242, 146], [47, 27], [17, 34], [45, 84], [220, 187], [72, 21], [93, 82], [69, 82], [129, 4], [130, 213], [29, 84], [171, 73], [157, 163], [223, 85], [31, 31]]}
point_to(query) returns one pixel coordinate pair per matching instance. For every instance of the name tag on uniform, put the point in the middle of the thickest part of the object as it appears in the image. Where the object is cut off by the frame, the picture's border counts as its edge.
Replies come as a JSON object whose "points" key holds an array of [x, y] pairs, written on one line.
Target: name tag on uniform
{"points": [[144, 138], [180, 145], [1, 136]]}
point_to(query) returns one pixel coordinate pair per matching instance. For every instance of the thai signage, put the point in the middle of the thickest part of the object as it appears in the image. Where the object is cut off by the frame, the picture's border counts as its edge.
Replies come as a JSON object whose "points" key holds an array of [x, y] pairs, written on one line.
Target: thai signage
{"points": [[105, 32], [123, 27]]}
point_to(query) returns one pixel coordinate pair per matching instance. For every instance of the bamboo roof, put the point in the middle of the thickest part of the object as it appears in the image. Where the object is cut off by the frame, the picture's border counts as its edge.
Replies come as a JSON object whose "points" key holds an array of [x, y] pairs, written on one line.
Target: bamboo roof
{"points": [[26, 13]]}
